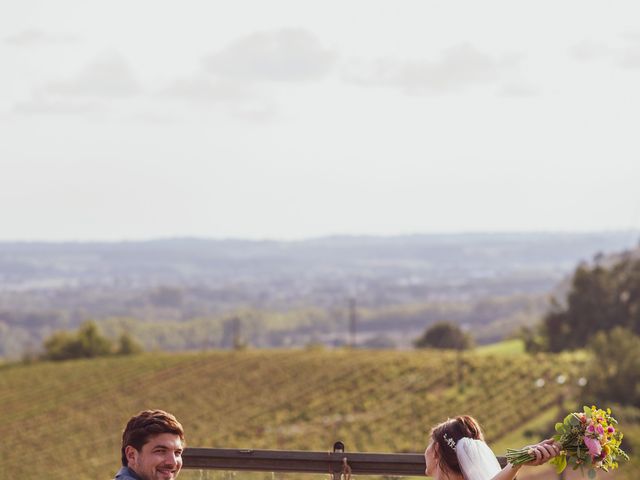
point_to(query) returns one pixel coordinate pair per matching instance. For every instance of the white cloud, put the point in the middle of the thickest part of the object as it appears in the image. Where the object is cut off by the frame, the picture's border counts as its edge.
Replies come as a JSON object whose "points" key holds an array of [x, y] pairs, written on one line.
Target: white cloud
{"points": [[203, 88], [460, 66], [35, 38], [42, 105], [237, 99], [630, 57], [625, 55], [255, 112], [518, 90], [109, 75], [154, 118], [588, 50], [286, 55]]}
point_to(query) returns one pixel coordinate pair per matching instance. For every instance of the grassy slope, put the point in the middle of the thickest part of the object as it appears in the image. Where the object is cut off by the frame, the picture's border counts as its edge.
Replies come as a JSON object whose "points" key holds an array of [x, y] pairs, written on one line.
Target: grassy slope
{"points": [[65, 419], [507, 347]]}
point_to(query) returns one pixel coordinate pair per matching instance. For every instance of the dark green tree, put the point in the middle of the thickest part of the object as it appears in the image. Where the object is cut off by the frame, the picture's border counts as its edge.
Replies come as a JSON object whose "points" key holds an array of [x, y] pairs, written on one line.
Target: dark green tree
{"points": [[444, 335], [534, 340], [87, 342], [127, 345], [613, 370], [601, 298], [92, 342], [61, 346]]}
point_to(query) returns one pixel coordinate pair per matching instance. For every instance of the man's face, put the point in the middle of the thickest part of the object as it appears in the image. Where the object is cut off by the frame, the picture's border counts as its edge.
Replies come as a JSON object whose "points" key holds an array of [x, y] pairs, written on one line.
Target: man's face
{"points": [[159, 459]]}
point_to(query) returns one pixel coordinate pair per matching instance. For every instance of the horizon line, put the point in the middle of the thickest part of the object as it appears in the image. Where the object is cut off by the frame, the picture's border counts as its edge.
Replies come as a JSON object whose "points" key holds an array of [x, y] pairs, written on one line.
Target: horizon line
{"points": [[260, 239]]}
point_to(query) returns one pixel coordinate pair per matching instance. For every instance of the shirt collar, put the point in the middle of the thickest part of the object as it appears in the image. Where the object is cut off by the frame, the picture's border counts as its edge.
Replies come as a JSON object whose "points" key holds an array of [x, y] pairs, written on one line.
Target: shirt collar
{"points": [[125, 472]]}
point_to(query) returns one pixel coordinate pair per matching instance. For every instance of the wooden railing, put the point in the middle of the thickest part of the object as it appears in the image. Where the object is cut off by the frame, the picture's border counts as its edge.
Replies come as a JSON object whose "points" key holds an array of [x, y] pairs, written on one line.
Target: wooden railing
{"points": [[335, 462]]}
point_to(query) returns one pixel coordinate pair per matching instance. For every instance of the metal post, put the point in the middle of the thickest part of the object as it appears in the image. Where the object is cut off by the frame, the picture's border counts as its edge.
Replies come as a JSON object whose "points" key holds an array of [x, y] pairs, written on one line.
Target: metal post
{"points": [[338, 447], [352, 322]]}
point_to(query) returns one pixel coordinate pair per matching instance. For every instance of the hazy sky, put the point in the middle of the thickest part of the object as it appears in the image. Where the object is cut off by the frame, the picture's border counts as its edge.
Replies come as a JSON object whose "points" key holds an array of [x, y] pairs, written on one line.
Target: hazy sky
{"points": [[290, 119]]}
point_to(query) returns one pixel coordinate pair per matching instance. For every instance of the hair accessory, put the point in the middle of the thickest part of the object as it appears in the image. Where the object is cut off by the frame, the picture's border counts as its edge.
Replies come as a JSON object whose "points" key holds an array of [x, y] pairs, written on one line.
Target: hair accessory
{"points": [[449, 441]]}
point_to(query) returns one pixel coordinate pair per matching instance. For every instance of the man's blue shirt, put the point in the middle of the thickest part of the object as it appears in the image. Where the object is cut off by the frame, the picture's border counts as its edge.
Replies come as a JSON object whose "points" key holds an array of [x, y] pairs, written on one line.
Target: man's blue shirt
{"points": [[125, 473]]}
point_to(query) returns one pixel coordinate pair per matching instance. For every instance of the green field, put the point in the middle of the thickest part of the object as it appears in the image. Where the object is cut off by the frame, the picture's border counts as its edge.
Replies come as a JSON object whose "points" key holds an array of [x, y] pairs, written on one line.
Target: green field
{"points": [[64, 420]]}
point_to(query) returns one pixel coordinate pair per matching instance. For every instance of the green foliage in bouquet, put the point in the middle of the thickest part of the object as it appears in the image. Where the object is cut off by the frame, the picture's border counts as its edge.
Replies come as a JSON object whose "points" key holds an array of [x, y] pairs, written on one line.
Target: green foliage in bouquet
{"points": [[589, 439]]}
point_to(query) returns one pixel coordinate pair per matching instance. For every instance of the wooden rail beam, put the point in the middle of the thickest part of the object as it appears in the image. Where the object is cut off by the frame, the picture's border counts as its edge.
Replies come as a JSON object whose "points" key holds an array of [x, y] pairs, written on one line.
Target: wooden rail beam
{"points": [[397, 464], [401, 464]]}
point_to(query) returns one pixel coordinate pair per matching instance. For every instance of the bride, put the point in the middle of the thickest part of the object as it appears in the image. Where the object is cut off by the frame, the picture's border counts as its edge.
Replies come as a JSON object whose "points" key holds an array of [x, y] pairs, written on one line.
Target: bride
{"points": [[457, 451]]}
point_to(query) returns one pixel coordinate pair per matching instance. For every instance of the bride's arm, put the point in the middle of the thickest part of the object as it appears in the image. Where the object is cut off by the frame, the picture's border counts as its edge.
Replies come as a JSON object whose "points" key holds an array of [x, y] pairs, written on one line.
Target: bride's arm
{"points": [[544, 451]]}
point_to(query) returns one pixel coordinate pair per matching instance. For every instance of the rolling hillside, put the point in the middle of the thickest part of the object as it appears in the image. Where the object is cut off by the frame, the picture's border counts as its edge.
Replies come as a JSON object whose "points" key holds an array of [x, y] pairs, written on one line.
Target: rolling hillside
{"points": [[65, 419]]}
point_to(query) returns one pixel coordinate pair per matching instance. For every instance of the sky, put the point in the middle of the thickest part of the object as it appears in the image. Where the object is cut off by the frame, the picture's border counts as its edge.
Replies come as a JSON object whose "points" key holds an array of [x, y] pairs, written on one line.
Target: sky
{"points": [[140, 119]]}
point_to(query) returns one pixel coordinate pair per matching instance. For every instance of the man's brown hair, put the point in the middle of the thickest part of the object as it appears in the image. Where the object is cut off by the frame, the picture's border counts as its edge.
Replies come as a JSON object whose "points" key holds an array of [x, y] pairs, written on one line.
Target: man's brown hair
{"points": [[144, 425]]}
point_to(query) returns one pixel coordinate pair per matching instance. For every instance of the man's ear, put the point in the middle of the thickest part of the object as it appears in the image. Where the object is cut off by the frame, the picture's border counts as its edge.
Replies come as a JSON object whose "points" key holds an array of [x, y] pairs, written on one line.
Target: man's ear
{"points": [[131, 453]]}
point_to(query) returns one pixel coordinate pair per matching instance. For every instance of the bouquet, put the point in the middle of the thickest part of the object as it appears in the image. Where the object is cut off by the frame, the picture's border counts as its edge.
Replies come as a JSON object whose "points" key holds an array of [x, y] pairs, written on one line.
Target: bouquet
{"points": [[589, 439]]}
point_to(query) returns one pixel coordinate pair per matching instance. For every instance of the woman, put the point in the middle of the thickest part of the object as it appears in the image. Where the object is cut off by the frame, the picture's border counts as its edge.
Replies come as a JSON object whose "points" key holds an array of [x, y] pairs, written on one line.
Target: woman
{"points": [[457, 451]]}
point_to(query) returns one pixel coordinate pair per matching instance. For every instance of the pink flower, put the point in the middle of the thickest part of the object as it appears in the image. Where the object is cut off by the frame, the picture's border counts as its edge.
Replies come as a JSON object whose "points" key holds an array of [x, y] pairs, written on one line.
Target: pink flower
{"points": [[610, 429], [591, 429], [594, 446], [600, 430]]}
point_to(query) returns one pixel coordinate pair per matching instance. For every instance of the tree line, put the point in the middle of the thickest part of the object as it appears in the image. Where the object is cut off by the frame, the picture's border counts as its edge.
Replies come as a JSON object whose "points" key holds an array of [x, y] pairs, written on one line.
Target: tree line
{"points": [[601, 312], [87, 342]]}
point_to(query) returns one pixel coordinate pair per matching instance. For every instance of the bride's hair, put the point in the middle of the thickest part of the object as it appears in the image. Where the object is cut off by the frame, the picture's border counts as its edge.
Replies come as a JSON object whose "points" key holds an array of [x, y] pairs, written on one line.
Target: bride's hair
{"points": [[447, 434]]}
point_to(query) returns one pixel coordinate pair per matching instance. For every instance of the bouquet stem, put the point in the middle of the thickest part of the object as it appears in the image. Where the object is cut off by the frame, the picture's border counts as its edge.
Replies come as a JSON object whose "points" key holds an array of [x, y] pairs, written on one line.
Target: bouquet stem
{"points": [[519, 456]]}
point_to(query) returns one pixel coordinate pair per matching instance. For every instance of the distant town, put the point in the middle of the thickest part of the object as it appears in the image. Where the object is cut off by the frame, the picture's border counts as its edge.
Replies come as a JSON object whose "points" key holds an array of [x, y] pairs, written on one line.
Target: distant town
{"points": [[280, 294]]}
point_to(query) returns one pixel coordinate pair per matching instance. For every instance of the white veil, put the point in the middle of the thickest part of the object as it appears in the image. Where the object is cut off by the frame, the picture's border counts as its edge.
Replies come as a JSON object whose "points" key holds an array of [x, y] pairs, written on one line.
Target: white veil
{"points": [[476, 459]]}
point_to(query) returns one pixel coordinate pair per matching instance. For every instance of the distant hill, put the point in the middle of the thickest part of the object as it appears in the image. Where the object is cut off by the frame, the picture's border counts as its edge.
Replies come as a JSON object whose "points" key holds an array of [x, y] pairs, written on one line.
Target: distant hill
{"points": [[66, 418], [287, 293], [418, 259]]}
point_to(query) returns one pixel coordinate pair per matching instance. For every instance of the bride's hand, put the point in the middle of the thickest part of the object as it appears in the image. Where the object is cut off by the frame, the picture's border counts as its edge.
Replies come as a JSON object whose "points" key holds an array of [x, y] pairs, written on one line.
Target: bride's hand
{"points": [[544, 451]]}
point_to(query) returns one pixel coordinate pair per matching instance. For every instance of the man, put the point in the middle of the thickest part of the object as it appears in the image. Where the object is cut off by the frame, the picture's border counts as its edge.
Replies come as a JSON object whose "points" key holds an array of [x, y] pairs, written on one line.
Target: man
{"points": [[152, 444]]}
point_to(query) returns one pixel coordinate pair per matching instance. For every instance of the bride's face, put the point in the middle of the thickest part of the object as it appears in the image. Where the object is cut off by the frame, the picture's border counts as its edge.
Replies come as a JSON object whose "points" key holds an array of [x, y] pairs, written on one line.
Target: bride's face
{"points": [[430, 460]]}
